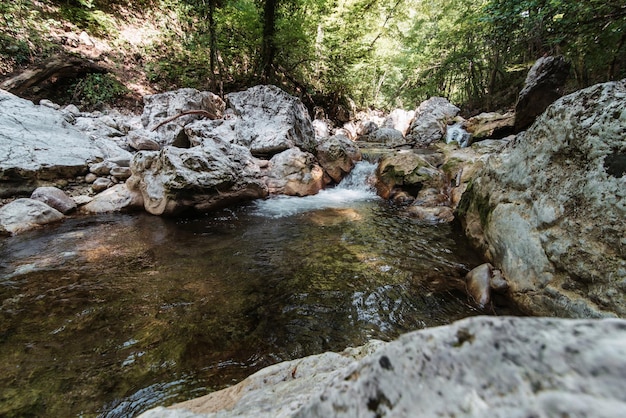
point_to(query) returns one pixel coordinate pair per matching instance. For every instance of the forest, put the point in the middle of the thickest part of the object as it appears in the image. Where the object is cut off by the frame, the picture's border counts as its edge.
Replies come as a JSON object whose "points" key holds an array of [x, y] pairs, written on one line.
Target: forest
{"points": [[361, 53]]}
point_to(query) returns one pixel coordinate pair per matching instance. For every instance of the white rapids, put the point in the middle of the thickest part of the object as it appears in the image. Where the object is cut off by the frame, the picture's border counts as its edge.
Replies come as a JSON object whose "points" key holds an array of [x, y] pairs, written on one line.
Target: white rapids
{"points": [[355, 187]]}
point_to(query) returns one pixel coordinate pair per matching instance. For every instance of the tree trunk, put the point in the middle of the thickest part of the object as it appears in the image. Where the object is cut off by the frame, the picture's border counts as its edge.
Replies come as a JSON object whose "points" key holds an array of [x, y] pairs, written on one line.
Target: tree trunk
{"points": [[268, 46]]}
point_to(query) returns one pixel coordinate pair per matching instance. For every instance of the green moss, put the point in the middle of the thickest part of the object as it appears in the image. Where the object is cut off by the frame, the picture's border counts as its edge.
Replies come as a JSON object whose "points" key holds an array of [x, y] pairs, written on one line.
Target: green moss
{"points": [[472, 200]]}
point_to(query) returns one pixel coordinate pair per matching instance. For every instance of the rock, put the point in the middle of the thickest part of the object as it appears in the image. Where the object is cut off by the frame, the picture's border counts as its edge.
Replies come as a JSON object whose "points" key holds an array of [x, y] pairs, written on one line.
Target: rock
{"points": [[271, 121], [101, 184], [542, 87], [24, 214], [201, 178], [121, 173], [321, 128], [549, 213], [478, 282], [221, 129], [49, 103], [37, 145], [337, 155], [103, 168], [55, 198], [142, 140], [115, 199], [408, 171], [400, 120], [365, 128], [90, 177], [160, 107], [431, 118], [431, 214], [120, 161], [471, 368], [295, 173], [490, 125], [390, 137]]}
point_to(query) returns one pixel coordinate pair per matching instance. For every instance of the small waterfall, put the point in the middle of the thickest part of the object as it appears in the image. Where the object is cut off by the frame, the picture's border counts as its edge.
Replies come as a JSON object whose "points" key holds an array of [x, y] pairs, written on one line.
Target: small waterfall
{"points": [[355, 187], [456, 133]]}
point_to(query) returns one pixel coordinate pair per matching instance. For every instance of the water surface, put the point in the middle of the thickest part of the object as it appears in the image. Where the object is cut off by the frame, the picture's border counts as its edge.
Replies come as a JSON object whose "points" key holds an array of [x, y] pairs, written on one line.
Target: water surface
{"points": [[111, 315]]}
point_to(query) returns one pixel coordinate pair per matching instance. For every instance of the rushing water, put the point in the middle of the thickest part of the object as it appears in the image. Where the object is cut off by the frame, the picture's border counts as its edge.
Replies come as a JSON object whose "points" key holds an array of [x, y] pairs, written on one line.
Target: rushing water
{"points": [[111, 315]]}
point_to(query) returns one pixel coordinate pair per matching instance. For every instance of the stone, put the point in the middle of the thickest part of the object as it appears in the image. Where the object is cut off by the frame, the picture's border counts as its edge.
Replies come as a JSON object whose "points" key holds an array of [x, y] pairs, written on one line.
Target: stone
{"points": [[295, 173], [321, 128], [337, 155], [478, 282], [475, 367], [544, 84], [490, 125], [431, 118], [101, 184], [389, 137], [55, 198], [365, 128], [25, 214], [38, 145], [271, 121], [141, 140], [118, 198], [547, 213], [90, 177], [220, 129], [160, 107], [408, 171], [121, 173], [431, 214], [400, 120], [199, 179], [103, 168]]}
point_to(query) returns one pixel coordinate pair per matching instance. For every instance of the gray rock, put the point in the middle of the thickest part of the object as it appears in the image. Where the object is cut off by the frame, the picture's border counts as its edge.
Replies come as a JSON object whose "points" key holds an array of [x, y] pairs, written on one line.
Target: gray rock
{"points": [[221, 129], [121, 173], [201, 178], [142, 140], [55, 198], [431, 119], [90, 177], [115, 199], [296, 173], [337, 155], [542, 87], [390, 137], [37, 144], [160, 107], [408, 171], [101, 184], [400, 120], [321, 128], [24, 214], [271, 121], [103, 168], [476, 367], [549, 212]]}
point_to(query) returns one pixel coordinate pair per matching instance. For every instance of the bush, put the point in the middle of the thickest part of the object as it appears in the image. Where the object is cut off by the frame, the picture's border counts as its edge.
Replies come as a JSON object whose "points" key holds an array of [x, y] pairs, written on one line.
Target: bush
{"points": [[96, 89]]}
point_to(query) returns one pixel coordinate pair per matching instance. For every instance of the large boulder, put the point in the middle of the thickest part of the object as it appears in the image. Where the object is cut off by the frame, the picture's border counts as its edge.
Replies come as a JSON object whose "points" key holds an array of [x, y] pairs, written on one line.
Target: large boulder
{"points": [[407, 171], [549, 209], [543, 85], [400, 120], [337, 156], [476, 367], [25, 214], [295, 173], [200, 178], [159, 108], [37, 144], [271, 121], [431, 119]]}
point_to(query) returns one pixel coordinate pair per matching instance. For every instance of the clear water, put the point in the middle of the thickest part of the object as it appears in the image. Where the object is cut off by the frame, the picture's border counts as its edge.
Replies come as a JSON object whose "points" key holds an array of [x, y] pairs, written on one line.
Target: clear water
{"points": [[112, 315]]}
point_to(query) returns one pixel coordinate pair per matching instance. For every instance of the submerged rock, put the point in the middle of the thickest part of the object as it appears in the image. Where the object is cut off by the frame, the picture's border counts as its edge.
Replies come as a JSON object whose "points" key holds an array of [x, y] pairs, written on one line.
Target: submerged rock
{"points": [[549, 211], [24, 214], [470, 368]]}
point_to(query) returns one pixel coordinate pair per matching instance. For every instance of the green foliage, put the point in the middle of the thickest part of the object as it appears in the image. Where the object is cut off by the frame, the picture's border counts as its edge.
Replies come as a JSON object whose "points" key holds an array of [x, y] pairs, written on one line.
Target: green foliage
{"points": [[97, 89]]}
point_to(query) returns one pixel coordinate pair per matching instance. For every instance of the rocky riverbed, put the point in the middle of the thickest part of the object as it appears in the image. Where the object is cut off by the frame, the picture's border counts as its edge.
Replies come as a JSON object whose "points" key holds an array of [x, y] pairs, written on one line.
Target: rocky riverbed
{"points": [[546, 208]]}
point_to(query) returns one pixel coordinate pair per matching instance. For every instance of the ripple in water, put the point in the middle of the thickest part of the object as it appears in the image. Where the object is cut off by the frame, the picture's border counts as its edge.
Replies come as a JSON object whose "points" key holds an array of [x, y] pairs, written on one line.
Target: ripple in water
{"points": [[356, 187]]}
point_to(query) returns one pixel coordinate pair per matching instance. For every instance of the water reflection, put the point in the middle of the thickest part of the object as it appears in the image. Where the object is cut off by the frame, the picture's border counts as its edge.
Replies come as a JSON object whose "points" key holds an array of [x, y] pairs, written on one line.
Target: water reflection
{"points": [[116, 314]]}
